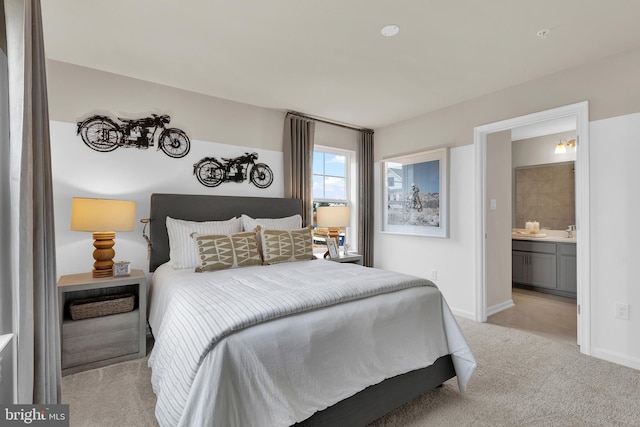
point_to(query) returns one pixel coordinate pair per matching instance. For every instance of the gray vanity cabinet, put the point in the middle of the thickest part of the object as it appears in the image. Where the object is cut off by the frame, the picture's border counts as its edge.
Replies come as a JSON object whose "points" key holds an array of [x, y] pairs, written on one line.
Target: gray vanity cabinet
{"points": [[535, 263], [544, 266], [567, 269]]}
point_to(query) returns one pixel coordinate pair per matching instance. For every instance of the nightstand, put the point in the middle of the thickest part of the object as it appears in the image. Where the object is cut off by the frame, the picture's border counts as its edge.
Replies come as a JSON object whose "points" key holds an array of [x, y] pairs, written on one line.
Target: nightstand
{"points": [[100, 341], [351, 258]]}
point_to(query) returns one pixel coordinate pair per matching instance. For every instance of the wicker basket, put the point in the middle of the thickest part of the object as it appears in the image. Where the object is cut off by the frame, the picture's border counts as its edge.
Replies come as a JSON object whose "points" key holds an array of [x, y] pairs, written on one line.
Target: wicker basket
{"points": [[101, 306]]}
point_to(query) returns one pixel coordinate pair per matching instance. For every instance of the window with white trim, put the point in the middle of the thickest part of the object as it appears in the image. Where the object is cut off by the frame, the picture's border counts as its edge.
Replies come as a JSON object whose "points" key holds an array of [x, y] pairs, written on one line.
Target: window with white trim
{"points": [[331, 175], [333, 185]]}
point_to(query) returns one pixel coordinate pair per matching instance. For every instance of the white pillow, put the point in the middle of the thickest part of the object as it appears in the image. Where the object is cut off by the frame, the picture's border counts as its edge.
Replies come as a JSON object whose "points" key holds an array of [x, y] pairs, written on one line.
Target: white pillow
{"points": [[288, 223], [182, 248]]}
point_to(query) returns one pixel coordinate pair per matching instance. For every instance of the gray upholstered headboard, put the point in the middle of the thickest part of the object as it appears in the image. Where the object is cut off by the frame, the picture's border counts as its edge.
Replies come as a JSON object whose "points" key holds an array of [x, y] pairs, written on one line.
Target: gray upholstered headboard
{"points": [[207, 208]]}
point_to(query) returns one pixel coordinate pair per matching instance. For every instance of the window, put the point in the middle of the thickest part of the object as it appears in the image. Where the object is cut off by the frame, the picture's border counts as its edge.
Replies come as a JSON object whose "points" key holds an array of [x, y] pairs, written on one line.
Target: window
{"points": [[332, 185], [330, 175]]}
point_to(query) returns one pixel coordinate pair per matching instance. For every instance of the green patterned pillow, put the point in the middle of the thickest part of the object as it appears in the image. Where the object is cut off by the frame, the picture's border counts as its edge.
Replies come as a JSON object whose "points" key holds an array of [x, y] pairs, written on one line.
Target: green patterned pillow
{"points": [[286, 246], [217, 252]]}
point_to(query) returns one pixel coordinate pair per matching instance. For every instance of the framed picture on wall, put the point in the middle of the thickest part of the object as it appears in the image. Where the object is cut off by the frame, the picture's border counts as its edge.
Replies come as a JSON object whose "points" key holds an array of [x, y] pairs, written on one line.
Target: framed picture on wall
{"points": [[415, 194]]}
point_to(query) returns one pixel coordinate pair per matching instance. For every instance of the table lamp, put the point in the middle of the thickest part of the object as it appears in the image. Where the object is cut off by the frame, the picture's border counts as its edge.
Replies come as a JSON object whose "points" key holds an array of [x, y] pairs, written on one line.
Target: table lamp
{"points": [[102, 217], [333, 218]]}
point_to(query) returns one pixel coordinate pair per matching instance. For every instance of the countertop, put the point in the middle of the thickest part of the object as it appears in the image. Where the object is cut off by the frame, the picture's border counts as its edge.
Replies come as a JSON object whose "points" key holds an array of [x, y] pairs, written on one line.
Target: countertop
{"points": [[557, 236]]}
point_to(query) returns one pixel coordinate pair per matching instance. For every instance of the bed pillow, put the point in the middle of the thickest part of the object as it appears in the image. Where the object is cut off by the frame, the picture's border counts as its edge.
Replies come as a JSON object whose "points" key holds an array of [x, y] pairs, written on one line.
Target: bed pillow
{"points": [[217, 252], [286, 245], [293, 222], [182, 249]]}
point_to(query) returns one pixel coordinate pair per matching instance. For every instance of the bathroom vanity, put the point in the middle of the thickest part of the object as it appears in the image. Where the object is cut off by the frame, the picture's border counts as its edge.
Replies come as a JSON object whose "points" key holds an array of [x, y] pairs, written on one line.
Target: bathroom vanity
{"points": [[546, 264]]}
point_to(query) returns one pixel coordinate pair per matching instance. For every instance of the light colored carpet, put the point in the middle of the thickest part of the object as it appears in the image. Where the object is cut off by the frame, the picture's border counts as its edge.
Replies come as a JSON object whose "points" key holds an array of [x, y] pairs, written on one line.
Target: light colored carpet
{"points": [[521, 380]]}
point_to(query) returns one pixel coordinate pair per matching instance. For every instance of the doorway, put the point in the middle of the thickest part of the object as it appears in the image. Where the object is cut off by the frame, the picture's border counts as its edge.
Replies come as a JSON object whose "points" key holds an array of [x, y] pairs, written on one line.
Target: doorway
{"points": [[580, 112]]}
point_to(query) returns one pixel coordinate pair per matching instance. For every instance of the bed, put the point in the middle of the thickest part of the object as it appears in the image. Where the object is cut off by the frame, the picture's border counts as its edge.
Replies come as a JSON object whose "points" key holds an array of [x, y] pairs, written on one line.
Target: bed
{"points": [[328, 357]]}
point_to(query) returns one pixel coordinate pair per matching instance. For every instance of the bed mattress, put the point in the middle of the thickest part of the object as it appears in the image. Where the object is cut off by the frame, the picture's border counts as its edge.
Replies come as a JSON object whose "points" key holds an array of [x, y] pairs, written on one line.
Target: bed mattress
{"points": [[281, 370]]}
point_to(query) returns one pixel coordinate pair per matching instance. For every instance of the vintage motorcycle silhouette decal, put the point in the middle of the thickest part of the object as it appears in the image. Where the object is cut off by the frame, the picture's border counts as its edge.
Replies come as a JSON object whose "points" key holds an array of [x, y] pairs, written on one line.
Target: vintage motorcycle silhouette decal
{"points": [[212, 172], [101, 133]]}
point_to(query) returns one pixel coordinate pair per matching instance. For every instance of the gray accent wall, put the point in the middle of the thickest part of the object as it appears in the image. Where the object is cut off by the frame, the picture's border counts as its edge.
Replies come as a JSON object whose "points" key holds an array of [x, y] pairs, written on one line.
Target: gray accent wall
{"points": [[610, 85], [77, 92]]}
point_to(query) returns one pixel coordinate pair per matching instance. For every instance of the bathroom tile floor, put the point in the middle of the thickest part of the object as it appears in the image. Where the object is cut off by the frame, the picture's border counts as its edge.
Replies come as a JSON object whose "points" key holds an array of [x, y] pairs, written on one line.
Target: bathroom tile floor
{"points": [[543, 314]]}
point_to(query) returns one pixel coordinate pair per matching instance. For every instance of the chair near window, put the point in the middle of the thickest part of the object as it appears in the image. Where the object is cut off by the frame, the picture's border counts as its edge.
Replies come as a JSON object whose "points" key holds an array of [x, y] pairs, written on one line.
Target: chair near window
{"points": [[320, 235]]}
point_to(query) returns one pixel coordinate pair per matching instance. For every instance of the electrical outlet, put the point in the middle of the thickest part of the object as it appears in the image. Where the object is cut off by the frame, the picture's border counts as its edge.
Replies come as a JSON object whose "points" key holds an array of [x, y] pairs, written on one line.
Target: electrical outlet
{"points": [[622, 311], [434, 275]]}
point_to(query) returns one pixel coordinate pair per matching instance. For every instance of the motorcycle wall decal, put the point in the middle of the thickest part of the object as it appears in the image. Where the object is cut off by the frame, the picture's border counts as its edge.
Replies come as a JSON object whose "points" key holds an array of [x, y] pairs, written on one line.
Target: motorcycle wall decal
{"points": [[102, 133], [212, 172]]}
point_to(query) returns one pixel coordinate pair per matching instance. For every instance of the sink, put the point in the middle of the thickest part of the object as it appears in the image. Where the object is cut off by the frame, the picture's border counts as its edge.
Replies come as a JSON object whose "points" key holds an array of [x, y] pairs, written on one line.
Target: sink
{"points": [[525, 234]]}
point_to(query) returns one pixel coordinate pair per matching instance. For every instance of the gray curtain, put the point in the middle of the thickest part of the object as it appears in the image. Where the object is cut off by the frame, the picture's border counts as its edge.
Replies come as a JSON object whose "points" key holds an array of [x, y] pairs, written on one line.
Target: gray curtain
{"points": [[365, 196], [298, 163], [31, 246]]}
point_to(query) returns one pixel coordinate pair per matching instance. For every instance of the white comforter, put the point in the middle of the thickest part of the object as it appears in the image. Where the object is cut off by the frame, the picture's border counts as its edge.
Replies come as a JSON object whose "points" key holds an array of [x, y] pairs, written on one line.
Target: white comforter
{"points": [[282, 371]]}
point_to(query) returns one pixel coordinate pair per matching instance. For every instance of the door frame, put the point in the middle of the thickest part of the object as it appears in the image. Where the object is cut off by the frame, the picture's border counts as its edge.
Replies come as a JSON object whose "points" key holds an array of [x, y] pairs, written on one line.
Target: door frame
{"points": [[580, 111]]}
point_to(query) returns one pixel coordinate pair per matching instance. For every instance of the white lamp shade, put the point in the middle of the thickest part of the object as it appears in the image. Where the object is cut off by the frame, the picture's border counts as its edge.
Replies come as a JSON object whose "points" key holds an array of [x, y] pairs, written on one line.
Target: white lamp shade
{"points": [[102, 214], [332, 216], [560, 148]]}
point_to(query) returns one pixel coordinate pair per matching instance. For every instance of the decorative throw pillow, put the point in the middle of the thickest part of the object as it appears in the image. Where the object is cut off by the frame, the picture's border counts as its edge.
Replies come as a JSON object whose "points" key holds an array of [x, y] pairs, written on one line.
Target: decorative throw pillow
{"points": [[218, 252], [286, 245], [182, 250], [293, 222]]}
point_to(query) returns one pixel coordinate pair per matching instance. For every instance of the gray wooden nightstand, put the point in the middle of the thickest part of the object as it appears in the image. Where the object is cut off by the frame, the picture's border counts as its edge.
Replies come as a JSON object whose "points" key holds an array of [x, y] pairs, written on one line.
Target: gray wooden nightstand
{"points": [[351, 258], [100, 341]]}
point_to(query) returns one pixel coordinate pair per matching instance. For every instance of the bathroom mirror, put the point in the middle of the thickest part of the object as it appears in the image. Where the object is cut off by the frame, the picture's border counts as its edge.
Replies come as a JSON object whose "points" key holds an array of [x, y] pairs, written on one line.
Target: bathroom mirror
{"points": [[545, 193]]}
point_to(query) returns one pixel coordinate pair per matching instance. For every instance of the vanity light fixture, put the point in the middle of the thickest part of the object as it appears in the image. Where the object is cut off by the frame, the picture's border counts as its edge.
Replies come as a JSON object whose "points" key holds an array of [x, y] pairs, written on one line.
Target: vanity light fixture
{"points": [[390, 30], [561, 148]]}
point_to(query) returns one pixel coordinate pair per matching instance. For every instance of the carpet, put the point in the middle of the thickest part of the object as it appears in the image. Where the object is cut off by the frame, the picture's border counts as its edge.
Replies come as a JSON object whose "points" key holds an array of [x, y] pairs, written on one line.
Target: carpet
{"points": [[521, 380]]}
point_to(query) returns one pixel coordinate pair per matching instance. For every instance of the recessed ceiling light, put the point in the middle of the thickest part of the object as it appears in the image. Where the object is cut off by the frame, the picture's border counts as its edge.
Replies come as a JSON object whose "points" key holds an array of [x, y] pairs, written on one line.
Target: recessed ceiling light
{"points": [[390, 30], [543, 33]]}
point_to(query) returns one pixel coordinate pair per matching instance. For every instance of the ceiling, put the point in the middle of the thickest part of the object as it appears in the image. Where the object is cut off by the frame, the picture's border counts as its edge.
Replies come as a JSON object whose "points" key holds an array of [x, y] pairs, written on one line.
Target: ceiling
{"points": [[327, 58]]}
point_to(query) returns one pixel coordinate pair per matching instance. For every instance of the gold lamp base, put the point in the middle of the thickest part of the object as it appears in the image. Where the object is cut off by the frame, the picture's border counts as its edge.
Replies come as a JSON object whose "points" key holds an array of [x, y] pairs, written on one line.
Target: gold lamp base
{"points": [[103, 254]]}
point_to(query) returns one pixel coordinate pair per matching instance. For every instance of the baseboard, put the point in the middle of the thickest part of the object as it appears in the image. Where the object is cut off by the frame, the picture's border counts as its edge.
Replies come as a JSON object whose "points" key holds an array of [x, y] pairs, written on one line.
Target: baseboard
{"points": [[463, 313], [619, 358], [499, 307]]}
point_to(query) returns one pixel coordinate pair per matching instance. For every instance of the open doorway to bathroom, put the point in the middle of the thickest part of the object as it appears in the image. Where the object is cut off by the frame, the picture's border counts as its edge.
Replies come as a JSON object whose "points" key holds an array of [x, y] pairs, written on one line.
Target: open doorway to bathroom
{"points": [[543, 217], [497, 220]]}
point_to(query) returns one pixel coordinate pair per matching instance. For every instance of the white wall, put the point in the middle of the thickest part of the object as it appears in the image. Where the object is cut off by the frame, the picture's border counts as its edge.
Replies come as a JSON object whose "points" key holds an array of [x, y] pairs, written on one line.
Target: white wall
{"points": [[610, 86], [132, 174], [615, 202], [216, 127], [452, 258]]}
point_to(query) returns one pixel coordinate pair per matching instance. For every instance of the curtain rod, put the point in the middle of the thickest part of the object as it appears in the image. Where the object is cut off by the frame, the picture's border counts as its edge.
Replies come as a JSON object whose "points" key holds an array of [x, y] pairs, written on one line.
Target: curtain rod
{"points": [[329, 122]]}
